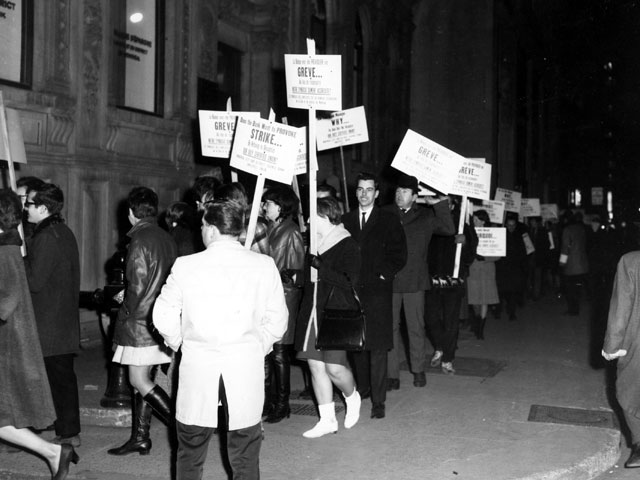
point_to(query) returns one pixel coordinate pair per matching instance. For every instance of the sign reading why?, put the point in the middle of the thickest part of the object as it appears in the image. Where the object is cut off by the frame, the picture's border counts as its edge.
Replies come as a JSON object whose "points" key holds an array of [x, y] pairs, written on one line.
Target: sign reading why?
{"points": [[265, 148], [346, 127], [511, 199], [428, 161], [216, 131], [314, 81]]}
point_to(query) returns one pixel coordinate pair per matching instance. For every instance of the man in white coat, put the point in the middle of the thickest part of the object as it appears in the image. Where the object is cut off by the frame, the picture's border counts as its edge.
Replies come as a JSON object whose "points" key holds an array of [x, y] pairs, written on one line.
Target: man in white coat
{"points": [[225, 308]]}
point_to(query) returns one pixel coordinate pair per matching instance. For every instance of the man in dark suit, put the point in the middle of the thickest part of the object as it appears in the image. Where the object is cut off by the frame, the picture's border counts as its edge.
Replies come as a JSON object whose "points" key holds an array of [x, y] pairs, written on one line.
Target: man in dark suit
{"points": [[383, 247]]}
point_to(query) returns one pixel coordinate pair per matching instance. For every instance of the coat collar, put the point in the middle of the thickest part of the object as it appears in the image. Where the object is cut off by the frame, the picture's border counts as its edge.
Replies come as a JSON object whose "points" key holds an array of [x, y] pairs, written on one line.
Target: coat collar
{"points": [[142, 224], [49, 221]]}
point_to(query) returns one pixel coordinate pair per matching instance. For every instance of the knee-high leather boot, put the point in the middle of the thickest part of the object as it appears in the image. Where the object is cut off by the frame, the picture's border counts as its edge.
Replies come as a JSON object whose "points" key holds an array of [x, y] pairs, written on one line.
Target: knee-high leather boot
{"points": [[161, 404], [282, 369], [140, 422], [268, 385]]}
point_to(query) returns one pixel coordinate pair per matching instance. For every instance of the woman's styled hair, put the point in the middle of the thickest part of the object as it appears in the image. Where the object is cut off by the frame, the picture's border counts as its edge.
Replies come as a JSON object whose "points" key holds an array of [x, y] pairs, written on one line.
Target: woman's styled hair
{"points": [[482, 215], [329, 207], [226, 215], [285, 198], [10, 209], [180, 213]]}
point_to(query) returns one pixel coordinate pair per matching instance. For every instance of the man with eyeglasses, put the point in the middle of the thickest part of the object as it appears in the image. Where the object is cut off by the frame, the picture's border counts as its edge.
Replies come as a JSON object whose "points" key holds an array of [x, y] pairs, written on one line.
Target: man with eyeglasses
{"points": [[24, 186], [383, 248], [53, 272]]}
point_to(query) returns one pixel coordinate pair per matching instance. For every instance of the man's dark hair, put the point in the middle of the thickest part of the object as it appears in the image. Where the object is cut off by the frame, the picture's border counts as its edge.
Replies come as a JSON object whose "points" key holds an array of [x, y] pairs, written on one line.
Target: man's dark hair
{"points": [[233, 191], [30, 182], [10, 210], [330, 208], [143, 202], [205, 184], [226, 215], [285, 198], [50, 196], [367, 176]]}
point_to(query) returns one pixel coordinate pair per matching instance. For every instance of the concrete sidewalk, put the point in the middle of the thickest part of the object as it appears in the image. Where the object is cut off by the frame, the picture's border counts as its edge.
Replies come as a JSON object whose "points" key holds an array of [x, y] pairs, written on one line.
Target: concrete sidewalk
{"points": [[473, 425]]}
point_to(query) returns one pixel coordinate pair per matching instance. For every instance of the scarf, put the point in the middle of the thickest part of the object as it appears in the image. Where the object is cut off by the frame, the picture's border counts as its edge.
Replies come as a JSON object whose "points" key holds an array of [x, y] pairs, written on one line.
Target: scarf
{"points": [[333, 236]]}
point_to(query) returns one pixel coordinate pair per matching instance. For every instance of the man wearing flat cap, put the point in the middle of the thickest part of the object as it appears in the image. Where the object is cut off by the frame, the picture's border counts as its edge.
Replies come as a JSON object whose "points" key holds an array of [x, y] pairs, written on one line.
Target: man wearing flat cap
{"points": [[419, 224]]}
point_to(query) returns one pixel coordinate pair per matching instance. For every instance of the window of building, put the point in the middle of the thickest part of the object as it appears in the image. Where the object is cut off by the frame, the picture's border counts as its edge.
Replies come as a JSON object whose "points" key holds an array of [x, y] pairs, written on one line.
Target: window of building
{"points": [[16, 42], [138, 54]]}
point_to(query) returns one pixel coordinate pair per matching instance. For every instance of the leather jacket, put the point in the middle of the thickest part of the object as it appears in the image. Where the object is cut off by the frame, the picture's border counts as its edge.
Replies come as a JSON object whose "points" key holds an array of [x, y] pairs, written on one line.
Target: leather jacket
{"points": [[150, 257], [286, 247]]}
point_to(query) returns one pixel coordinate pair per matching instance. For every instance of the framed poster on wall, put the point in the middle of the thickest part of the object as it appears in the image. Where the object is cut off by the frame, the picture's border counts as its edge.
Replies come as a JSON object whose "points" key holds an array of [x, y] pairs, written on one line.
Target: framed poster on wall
{"points": [[16, 39]]}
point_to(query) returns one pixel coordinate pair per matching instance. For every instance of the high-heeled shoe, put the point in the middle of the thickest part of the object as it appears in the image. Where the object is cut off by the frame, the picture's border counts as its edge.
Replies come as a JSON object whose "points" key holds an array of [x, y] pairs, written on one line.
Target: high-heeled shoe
{"points": [[67, 455]]}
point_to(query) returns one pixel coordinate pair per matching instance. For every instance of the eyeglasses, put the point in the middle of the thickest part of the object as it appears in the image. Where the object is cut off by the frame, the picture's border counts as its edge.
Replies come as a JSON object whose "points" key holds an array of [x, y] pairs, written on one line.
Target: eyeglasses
{"points": [[28, 204]]}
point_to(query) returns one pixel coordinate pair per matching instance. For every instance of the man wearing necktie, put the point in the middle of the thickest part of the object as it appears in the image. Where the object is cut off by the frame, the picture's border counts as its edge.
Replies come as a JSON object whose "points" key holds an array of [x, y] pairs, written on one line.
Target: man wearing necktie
{"points": [[383, 250]]}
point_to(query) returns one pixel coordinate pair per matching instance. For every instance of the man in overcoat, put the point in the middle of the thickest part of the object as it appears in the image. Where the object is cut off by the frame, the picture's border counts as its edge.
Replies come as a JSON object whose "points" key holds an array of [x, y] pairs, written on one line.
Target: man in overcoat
{"points": [[413, 280], [53, 272], [383, 249], [225, 308]]}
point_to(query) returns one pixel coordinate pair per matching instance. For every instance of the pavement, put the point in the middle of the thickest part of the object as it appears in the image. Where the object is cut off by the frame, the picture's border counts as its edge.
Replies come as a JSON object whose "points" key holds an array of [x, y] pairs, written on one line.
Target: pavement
{"points": [[471, 425]]}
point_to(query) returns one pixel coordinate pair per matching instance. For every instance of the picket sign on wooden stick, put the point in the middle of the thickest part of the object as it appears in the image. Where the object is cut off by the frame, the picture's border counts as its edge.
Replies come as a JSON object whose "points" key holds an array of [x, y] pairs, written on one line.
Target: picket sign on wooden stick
{"points": [[344, 180], [313, 167], [234, 173], [296, 189], [257, 200], [463, 214]]}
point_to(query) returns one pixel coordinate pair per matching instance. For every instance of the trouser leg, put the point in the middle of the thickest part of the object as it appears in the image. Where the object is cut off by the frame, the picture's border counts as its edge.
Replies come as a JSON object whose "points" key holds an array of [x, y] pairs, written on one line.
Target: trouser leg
{"points": [[414, 313], [378, 375], [450, 322], [193, 445], [393, 365], [64, 390], [433, 317], [362, 370]]}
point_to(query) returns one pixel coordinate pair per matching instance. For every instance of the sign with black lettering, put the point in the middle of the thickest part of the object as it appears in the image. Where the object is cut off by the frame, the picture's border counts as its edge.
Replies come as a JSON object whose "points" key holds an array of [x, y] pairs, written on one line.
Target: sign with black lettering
{"points": [[530, 207], [314, 81], [346, 127], [492, 241], [265, 148], [473, 179], [216, 131], [494, 208], [511, 199], [429, 162], [11, 40]]}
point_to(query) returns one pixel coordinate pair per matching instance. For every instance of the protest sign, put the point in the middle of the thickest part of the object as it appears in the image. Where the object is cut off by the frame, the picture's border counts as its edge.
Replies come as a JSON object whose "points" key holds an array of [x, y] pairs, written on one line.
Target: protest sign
{"points": [[300, 167], [530, 207], [346, 127], [494, 208], [549, 211], [511, 199], [265, 148], [216, 131], [473, 179], [528, 243], [428, 161], [492, 241], [314, 81]]}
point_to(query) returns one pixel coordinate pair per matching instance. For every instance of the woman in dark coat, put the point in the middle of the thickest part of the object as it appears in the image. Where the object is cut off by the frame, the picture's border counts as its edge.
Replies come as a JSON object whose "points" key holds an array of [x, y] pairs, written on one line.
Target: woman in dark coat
{"points": [[25, 396], [511, 271], [338, 265]]}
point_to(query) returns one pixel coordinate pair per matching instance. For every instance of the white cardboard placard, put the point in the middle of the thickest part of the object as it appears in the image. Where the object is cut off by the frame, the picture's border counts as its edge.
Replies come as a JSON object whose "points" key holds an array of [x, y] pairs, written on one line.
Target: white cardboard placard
{"points": [[428, 161], [346, 127], [265, 148], [511, 199], [14, 140], [314, 81], [492, 241], [216, 131], [300, 167], [494, 208], [473, 180], [530, 207], [549, 211]]}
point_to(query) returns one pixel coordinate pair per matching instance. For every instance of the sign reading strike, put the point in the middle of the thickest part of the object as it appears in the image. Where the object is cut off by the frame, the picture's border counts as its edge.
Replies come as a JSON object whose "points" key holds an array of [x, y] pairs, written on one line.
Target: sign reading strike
{"points": [[473, 180], [314, 81], [494, 209], [216, 131], [511, 199], [265, 148], [530, 207], [428, 161], [346, 127], [492, 242]]}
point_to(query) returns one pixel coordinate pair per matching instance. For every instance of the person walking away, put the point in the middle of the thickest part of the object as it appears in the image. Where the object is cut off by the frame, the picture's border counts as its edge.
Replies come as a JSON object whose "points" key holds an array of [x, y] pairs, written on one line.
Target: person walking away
{"points": [[150, 256], [224, 308], [511, 270], [25, 396], [574, 261], [53, 272]]}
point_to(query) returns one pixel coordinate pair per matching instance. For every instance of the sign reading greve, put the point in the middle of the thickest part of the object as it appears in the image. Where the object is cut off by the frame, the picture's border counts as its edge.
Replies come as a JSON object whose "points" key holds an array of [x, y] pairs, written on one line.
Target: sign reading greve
{"points": [[429, 162], [265, 148], [216, 131], [346, 127], [512, 199], [473, 180], [314, 81], [492, 242]]}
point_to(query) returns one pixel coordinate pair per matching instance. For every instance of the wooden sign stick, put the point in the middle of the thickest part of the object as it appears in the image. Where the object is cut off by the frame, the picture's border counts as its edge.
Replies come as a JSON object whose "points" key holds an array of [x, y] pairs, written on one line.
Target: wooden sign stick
{"points": [[463, 214], [344, 180], [234, 173], [313, 181]]}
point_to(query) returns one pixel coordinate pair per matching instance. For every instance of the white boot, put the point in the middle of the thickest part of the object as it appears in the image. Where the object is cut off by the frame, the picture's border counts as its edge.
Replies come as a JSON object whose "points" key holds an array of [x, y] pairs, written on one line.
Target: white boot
{"points": [[353, 402], [327, 423]]}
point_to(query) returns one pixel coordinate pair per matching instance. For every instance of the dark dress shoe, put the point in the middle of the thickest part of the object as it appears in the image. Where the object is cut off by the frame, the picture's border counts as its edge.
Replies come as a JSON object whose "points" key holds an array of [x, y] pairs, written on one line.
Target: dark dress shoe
{"points": [[634, 459], [67, 455], [278, 413], [377, 410], [419, 379], [393, 384]]}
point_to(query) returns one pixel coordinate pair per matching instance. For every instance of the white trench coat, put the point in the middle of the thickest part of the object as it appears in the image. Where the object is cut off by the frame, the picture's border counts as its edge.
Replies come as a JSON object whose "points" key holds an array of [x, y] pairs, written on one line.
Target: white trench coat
{"points": [[225, 307]]}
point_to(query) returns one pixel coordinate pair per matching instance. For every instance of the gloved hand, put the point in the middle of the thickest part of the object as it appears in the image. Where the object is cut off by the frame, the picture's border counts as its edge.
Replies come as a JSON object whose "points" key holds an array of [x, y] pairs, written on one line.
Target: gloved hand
{"points": [[286, 276], [315, 261]]}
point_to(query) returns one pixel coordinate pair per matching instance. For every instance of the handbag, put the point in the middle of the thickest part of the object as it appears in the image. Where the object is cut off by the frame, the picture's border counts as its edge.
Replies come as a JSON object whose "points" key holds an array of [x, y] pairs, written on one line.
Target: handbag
{"points": [[342, 329]]}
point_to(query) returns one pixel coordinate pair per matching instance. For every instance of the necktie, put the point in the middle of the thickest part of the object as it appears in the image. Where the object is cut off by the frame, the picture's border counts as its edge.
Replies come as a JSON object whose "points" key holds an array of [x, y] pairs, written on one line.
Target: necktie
{"points": [[364, 220]]}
